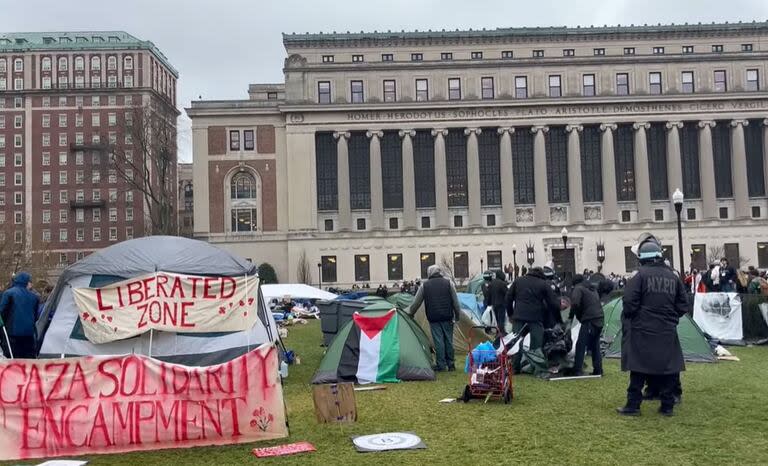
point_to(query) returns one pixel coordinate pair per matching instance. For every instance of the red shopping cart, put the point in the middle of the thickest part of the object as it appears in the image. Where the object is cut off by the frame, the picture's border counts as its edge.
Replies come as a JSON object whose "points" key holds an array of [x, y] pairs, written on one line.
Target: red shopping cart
{"points": [[490, 373]]}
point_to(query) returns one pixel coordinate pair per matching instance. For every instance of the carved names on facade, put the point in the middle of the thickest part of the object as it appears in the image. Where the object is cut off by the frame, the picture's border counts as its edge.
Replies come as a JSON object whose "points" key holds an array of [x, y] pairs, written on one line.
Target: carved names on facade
{"points": [[543, 110]]}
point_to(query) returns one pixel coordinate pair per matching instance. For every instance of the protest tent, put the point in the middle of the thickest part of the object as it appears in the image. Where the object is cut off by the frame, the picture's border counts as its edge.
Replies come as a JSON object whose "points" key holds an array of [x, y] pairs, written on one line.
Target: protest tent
{"points": [[295, 291], [466, 328], [62, 332], [380, 344], [695, 346]]}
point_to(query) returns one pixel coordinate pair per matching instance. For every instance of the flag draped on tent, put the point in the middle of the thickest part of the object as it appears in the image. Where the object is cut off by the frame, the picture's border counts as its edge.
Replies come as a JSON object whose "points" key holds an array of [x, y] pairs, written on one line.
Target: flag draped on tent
{"points": [[372, 350]]}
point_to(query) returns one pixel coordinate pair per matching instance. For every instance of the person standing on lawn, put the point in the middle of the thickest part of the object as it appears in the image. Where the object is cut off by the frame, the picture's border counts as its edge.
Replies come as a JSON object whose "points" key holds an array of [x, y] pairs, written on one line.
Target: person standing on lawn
{"points": [[586, 307], [654, 300], [530, 300], [18, 311], [495, 295], [441, 305]]}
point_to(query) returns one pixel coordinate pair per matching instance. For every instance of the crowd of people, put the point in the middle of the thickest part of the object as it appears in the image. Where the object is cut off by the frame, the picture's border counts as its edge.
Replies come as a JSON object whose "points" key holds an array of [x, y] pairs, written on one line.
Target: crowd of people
{"points": [[724, 278], [654, 299]]}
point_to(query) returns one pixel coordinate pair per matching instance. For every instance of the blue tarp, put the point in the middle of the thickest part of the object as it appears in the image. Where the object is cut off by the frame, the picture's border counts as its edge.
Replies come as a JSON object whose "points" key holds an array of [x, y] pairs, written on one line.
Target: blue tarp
{"points": [[352, 296], [469, 302]]}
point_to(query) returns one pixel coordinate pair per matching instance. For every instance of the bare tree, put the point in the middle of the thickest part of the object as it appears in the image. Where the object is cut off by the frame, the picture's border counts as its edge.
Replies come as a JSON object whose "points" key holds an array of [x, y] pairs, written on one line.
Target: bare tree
{"points": [[717, 252], [146, 161], [14, 257], [304, 269]]}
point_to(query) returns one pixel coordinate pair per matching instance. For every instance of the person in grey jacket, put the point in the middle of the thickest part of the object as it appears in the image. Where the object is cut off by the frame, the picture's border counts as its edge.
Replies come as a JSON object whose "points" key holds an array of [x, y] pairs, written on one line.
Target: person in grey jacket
{"points": [[441, 305]]}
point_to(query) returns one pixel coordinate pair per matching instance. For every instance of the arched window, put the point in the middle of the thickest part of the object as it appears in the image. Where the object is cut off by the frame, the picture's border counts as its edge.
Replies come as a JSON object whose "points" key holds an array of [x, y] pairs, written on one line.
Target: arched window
{"points": [[95, 63], [62, 63], [46, 64], [244, 202], [243, 186], [79, 63], [128, 63], [111, 62]]}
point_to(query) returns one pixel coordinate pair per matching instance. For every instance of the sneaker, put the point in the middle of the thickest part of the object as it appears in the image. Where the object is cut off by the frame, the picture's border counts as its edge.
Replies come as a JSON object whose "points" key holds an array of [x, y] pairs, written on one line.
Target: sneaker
{"points": [[666, 412], [597, 373], [628, 411], [451, 368], [438, 369]]}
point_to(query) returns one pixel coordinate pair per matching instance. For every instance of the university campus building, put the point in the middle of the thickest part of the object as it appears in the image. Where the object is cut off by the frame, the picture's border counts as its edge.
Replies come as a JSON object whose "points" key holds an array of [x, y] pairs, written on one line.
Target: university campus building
{"points": [[67, 104], [382, 153]]}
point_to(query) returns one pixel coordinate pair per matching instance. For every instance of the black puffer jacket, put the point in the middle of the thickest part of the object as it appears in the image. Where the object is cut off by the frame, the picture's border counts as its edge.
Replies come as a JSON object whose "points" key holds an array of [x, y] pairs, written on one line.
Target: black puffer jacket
{"points": [[530, 298], [585, 304]]}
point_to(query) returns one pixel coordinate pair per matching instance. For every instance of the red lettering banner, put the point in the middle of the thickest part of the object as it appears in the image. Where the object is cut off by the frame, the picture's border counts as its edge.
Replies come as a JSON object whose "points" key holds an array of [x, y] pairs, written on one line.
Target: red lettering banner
{"points": [[169, 302], [77, 406]]}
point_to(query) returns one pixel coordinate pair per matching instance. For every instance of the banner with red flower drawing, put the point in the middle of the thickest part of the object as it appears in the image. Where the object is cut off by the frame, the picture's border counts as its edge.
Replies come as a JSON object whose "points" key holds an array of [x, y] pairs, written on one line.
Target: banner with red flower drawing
{"points": [[99, 405], [167, 301]]}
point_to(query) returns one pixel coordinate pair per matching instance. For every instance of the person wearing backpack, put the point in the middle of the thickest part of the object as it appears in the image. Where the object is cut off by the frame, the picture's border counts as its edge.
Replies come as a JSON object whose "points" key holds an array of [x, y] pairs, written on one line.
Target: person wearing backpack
{"points": [[18, 307]]}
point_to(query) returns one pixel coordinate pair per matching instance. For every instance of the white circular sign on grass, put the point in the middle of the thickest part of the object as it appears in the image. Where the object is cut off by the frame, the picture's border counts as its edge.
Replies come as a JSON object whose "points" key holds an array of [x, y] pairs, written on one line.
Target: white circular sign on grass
{"points": [[387, 441]]}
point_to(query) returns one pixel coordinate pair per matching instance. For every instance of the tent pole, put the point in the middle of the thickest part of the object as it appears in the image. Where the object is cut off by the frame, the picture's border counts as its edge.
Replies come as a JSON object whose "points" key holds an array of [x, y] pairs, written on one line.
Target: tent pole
{"points": [[8, 340], [151, 333], [247, 330]]}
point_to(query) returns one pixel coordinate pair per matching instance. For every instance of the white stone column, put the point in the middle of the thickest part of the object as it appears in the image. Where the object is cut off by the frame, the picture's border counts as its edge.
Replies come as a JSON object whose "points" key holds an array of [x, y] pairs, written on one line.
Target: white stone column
{"points": [[674, 158], [541, 211], [608, 163], [342, 175], [575, 192], [707, 170], [441, 179], [409, 180], [508, 213], [739, 178], [377, 191], [473, 177], [642, 173]]}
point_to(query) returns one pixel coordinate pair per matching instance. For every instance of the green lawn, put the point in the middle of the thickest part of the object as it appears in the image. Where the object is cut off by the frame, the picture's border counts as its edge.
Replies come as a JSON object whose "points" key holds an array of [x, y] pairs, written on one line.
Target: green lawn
{"points": [[723, 420]]}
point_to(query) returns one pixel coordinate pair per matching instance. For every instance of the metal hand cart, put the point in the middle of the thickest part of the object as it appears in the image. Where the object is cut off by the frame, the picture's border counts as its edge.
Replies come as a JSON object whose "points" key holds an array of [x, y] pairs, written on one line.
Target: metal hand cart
{"points": [[490, 373]]}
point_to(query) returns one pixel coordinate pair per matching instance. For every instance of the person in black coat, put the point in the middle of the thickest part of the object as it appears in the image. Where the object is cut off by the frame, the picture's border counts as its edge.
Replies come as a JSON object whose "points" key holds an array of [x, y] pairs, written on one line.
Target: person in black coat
{"points": [[654, 300], [587, 308], [495, 295], [529, 301]]}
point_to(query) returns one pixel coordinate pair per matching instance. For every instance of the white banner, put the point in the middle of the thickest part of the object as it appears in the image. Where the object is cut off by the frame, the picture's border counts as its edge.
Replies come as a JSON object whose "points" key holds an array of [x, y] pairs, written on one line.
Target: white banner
{"points": [[719, 315], [169, 302]]}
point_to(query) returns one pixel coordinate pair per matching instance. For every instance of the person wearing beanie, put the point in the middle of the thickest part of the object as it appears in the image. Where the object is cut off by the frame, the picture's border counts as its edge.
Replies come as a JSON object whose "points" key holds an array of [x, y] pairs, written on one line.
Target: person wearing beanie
{"points": [[586, 307]]}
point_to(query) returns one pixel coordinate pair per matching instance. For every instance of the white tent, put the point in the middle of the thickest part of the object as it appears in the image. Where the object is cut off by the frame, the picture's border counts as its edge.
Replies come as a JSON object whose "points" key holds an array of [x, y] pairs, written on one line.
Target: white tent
{"points": [[64, 334], [295, 291]]}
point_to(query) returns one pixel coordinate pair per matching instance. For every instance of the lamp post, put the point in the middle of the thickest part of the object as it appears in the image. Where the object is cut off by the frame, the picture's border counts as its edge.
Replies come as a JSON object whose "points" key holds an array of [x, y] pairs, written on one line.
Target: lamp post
{"points": [[481, 265], [320, 275], [514, 261], [530, 255], [677, 200], [600, 255], [564, 234]]}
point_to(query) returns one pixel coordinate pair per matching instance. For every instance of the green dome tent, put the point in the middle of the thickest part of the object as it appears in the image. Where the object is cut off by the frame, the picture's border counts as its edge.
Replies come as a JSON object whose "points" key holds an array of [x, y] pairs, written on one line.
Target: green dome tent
{"points": [[475, 285], [381, 344], [695, 345]]}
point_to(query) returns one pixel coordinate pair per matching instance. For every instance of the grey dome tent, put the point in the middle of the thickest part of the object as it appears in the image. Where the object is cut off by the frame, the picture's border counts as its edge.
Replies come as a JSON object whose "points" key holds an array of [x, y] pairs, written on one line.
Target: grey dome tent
{"points": [[64, 334]]}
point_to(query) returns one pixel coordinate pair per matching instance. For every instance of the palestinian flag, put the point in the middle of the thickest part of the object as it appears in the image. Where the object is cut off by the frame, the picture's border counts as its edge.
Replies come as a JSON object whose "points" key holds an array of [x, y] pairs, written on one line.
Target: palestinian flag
{"points": [[371, 353]]}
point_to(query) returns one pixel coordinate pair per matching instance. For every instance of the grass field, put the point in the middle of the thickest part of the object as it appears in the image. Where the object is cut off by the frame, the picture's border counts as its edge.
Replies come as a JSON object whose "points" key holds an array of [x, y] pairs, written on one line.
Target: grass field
{"points": [[723, 420]]}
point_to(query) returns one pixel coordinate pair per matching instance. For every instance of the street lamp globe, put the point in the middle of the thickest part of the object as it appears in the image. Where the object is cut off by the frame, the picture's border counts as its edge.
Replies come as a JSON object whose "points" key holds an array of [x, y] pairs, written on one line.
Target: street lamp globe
{"points": [[678, 198]]}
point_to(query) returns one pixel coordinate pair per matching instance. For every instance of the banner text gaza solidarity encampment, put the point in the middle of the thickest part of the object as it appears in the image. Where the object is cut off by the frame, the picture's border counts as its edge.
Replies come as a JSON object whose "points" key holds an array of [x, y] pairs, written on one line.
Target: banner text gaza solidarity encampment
{"points": [[87, 405], [169, 302]]}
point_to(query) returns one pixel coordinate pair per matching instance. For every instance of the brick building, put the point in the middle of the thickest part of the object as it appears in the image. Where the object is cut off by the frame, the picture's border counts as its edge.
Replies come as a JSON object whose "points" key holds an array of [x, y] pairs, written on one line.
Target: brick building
{"points": [[68, 101]]}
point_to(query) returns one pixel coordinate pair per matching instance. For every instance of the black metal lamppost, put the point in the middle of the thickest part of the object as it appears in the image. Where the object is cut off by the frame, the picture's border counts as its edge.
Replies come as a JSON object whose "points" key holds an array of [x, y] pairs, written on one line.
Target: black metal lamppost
{"points": [[600, 255], [514, 261], [677, 200], [320, 275]]}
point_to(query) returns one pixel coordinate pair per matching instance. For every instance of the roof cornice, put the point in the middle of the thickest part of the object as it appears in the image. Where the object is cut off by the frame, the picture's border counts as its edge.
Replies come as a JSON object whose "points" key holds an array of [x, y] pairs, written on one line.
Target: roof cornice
{"points": [[520, 34]]}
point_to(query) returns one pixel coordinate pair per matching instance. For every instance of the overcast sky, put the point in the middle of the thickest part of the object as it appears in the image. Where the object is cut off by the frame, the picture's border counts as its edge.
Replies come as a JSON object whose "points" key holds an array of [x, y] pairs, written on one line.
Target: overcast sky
{"points": [[220, 46]]}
